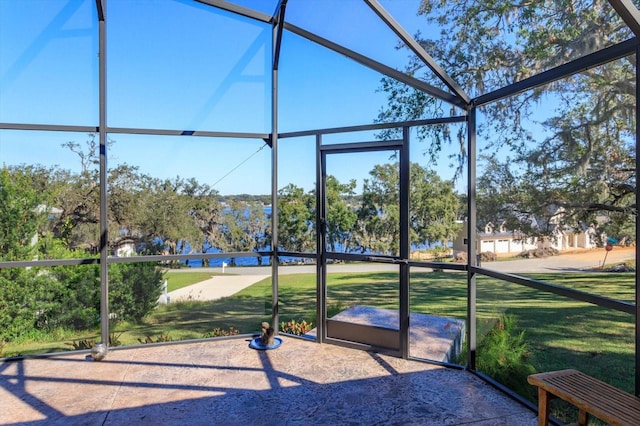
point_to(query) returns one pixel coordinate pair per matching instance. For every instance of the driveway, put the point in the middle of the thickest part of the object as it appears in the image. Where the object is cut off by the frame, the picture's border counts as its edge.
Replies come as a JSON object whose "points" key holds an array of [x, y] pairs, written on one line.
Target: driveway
{"points": [[582, 260]]}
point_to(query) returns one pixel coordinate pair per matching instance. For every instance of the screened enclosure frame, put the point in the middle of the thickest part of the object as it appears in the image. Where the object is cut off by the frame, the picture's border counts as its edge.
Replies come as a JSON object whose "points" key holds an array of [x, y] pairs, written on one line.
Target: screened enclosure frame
{"points": [[455, 96]]}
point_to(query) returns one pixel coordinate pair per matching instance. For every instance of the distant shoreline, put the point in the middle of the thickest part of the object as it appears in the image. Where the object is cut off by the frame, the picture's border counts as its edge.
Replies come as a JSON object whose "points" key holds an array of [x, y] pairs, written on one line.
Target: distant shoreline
{"points": [[574, 261]]}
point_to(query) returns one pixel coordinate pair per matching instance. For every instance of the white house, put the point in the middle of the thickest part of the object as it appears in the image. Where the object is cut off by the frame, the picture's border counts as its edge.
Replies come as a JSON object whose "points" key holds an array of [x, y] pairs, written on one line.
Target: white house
{"points": [[124, 248], [502, 241]]}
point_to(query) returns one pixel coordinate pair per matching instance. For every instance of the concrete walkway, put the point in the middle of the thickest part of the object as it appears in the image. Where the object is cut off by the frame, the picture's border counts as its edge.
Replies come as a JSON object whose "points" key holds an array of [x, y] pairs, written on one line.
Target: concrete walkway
{"points": [[214, 288]]}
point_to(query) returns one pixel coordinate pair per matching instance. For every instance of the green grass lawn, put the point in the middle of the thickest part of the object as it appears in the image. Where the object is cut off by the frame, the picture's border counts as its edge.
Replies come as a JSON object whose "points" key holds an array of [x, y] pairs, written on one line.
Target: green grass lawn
{"points": [[179, 279], [561, 333]]}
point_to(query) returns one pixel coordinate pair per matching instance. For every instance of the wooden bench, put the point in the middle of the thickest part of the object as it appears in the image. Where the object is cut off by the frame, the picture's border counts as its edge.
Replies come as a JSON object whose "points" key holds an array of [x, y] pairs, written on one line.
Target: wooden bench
{"points": [[589, 395]]}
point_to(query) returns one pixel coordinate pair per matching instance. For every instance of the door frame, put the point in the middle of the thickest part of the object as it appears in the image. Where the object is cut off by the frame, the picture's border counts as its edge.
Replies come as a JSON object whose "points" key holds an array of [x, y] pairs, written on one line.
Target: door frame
{"points": [[376, 338]]}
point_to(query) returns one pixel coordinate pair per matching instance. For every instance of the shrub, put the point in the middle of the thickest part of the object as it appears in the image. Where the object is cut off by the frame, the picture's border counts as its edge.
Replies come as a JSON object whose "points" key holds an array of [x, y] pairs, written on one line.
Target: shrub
{"points": [[297, 328], [24, 297], [134, 289], [114, 340], [440, 253], [76, 297], [160, 338], [504, 355], [335, 308], [68, 297], [488, 256], [460, 257], [218, 332], [539, 253], [82, 344]]}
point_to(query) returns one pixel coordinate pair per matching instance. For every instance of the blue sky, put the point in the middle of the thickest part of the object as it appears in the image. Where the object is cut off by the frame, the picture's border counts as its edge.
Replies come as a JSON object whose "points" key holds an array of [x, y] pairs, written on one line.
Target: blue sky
{"points": [[178, 64]]}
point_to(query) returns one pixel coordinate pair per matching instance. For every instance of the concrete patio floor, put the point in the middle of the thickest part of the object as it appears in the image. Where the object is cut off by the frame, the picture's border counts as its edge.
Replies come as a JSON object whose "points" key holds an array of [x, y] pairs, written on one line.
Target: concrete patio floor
{"points": [[224, 382]]}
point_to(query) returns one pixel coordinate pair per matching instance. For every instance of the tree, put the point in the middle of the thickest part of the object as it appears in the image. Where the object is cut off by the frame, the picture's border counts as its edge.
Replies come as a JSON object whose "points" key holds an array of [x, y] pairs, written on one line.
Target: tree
{"points": [[23, 295], [237, 229], [166, 215], [23, 214], [73, 292], [89, 153], [125, 195], [432, 214], [134, 289], [379, 214], [78, 195], [259, 227], [207, 213], [33, 226], [341, 217], [580, 161], [434, 208], [296, 217]]}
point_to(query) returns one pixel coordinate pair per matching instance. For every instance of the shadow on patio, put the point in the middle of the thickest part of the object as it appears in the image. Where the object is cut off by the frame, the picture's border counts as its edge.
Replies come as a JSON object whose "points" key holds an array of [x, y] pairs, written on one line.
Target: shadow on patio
{"points": [[226, 382]]}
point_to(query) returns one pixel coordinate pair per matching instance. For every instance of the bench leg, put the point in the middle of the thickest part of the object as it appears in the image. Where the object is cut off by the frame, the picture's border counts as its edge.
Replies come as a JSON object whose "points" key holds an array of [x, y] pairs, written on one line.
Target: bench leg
{"points": [[583, 418], [543, 407]]}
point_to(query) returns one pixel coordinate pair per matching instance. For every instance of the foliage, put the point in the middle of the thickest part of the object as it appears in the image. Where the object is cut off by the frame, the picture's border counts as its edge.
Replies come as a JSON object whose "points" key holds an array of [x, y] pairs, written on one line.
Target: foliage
{"points": [[434, 207], [504, 355], [370, 223], [23, 296], [296, 216], [82, 344], [158, 339], [23, 214], [570, 143], [166, 215], [68, 297], [134, 289], [114, 339], [433, 212], [488, 256], [540, 252], [207, 213], [245, 228], [158, 215], [297, 328], [174, 216], [379, 214], [76, 294], [78, 196], [440, 253], [341, 217], [219, 332], [334, 309], [258, 226]]}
